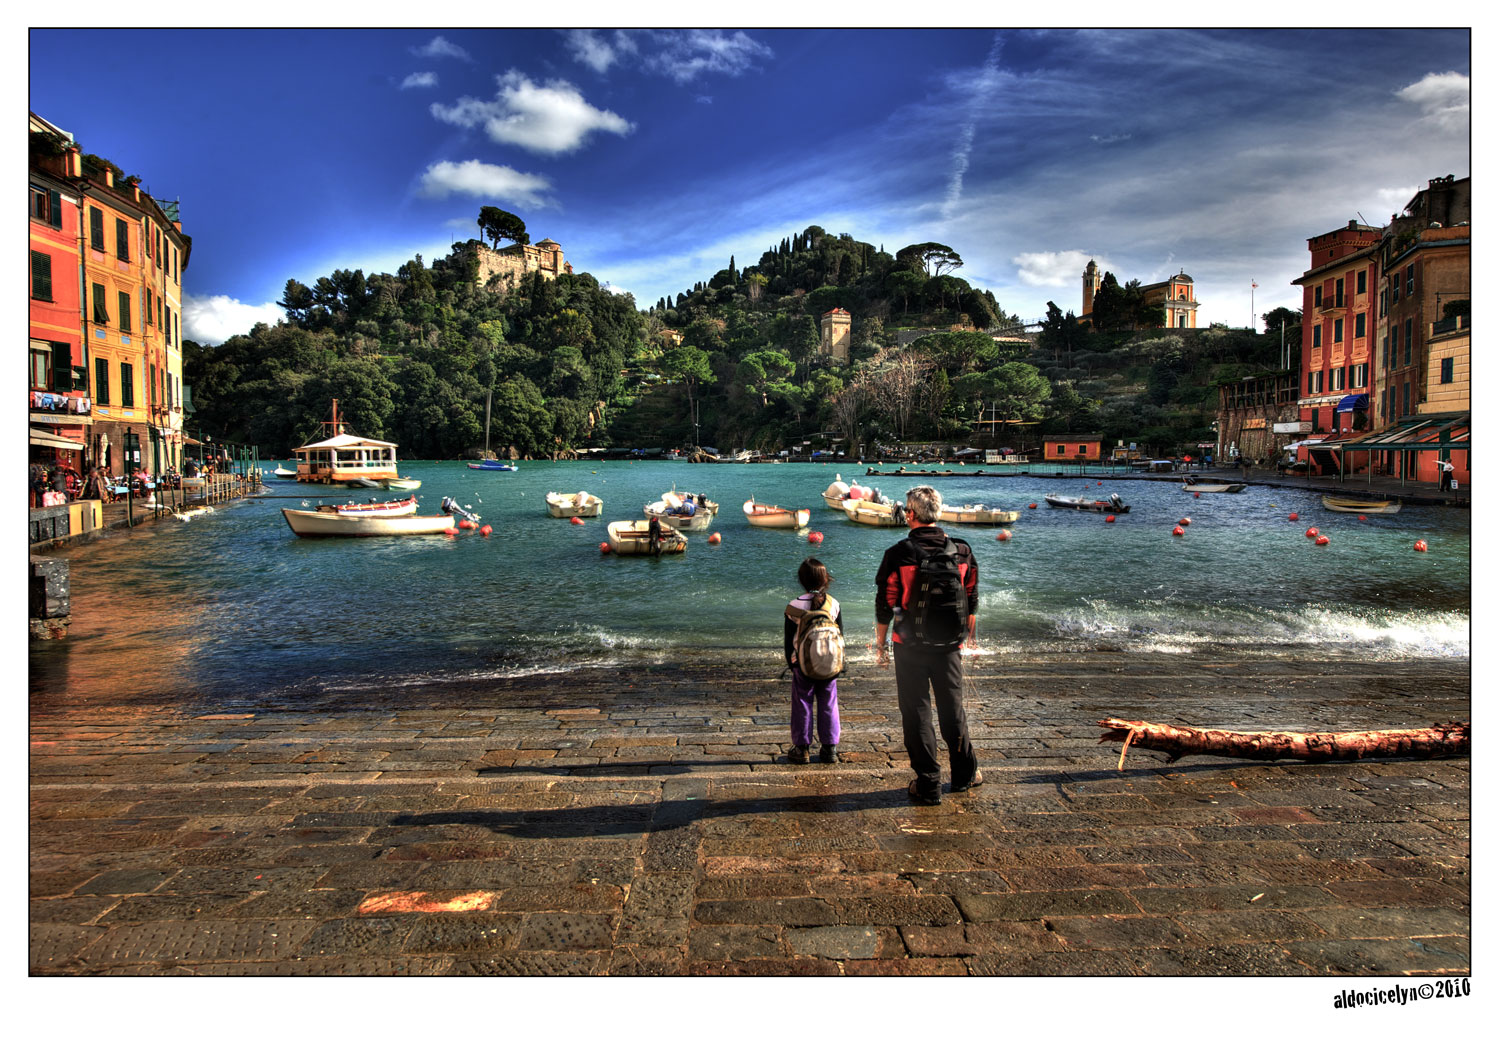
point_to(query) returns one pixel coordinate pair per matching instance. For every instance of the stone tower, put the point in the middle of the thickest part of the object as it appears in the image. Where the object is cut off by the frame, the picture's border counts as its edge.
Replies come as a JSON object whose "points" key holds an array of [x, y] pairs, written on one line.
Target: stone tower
{"points": [[834, 327], [1090, 286]]}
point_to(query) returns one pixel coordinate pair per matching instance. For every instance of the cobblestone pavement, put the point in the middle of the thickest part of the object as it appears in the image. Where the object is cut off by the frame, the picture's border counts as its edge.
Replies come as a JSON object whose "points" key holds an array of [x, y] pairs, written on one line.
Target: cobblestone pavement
{"points": [[648, 823]]}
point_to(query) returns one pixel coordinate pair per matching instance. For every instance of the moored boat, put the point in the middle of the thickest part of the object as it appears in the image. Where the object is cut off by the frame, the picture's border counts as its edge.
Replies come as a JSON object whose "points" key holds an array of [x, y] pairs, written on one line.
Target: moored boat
{"points": [[1340, 504], [698, 520], [835, 494], [574, 504], [393, 508], [282, 472], [633, 538], [1230, 489], [313, 524], [493, 464], [401, 484], [977, 514], [675, 497], [1113, 504], [875, 514], [347, 459], [764, 516]]}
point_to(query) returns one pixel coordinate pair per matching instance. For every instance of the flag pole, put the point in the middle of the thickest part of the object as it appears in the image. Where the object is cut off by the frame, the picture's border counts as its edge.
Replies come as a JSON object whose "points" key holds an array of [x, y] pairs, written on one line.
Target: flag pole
{"points": [[1253, 286]]}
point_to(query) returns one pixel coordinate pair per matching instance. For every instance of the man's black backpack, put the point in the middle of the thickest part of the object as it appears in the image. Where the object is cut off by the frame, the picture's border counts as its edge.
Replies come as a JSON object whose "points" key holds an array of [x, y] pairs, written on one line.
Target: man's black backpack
{"points": [[939, 605]]}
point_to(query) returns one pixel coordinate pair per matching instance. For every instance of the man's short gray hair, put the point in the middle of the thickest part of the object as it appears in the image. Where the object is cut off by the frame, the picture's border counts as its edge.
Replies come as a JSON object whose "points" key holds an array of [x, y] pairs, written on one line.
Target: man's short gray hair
{"points": [[923, 503]]}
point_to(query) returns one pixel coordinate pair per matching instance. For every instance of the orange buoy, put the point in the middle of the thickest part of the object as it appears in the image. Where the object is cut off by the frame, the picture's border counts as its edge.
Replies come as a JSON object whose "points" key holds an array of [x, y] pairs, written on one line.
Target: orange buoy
{"points": [[713, 540], [604, 547], [1185, 521], [1099, 483], [1312, 533], [450, 532], [1109, 519], [1420, 545], [1178, 530], [1361, 516], [1322, 540], [575, 520], [486, 530], [1291, 516], [1197, 494], [1004, 536], [815, 537], [467, 525]]}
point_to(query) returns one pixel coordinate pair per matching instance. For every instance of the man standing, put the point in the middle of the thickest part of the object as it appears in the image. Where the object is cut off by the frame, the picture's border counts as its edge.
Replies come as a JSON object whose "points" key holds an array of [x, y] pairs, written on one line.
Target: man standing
{"points": [[928, 584]]}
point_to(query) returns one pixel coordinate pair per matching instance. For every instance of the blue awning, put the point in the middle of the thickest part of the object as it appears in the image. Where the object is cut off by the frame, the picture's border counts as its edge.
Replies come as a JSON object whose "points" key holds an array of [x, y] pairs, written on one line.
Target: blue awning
{"points": [[1354, 402]]}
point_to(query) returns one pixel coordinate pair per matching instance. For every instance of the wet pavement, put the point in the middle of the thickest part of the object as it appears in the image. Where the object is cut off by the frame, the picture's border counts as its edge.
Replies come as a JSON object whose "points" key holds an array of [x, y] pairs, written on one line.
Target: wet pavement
{"points": [[646, 822]]}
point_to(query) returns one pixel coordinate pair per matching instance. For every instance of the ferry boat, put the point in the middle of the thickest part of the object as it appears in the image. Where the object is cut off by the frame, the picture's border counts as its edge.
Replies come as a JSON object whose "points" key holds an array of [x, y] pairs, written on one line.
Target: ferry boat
{"points": [[347, 459]]}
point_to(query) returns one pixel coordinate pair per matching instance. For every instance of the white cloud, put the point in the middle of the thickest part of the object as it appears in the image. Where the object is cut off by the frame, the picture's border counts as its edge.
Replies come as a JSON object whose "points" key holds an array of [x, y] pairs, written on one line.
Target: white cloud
{"points": [[438, 47], [548, 118], [478, 179], [614, 289], [1442, 97], [684, 56], [598, 53], [419, 80], [209, 320], [1052, 268]]}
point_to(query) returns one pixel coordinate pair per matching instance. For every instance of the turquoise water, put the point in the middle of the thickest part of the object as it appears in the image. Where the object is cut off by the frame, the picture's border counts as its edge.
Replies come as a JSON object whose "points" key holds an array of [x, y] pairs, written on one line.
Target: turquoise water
{"points": [[231, 605]]}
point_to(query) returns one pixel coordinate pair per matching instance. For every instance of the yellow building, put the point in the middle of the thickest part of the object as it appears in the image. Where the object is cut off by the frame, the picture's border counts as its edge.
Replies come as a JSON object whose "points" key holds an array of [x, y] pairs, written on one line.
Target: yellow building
{"points": [[133, 253], [1447, 368], [835, 338]]}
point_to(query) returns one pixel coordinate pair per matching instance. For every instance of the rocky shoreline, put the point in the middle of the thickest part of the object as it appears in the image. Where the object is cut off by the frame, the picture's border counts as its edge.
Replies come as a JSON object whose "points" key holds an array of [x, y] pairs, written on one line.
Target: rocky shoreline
{"points": [[643, 820]]}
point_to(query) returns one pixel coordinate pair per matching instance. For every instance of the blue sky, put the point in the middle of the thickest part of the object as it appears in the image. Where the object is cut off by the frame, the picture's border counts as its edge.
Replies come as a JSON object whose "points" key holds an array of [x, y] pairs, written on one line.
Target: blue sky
{"points": [[652, 156]]}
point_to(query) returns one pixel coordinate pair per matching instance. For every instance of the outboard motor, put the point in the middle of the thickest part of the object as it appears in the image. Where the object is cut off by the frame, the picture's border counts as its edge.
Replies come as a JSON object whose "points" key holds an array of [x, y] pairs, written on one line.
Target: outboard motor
{"points": [[1116, 501], [451, 506]]}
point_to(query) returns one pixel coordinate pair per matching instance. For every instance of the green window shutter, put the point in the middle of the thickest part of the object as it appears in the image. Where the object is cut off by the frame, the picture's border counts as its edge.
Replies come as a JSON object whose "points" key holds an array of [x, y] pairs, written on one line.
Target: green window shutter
{"points": [[41, 276], [62, 368], [124, 311], [101, 309], [96, 229], [54, 213], [122, 239], [127, 386], [101, 381]]}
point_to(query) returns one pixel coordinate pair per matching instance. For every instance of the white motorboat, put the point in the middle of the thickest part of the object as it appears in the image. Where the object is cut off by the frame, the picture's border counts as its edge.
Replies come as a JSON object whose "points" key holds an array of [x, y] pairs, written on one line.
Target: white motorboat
{"points": [[312, 524], [977, 514], [700, 520], [574, 504], [875, 514]]}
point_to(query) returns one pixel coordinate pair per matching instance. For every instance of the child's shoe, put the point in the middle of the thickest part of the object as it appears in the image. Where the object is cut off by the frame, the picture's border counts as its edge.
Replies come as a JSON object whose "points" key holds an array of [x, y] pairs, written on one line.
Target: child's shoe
{"points": [[797, 755], [829, 755]]}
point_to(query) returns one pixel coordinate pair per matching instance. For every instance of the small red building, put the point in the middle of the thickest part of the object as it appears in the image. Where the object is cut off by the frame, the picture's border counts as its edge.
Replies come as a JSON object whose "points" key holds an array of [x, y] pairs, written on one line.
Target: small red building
{"points": [[1072, 447]]}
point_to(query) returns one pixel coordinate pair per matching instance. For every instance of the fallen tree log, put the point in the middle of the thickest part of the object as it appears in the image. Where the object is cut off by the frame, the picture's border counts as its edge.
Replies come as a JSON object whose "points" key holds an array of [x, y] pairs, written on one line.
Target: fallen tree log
{"points": [[1440, 740]]}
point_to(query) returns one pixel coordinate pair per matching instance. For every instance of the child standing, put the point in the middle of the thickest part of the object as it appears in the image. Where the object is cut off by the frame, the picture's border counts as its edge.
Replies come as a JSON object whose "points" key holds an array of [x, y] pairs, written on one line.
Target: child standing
{"points": [[812, 698]]}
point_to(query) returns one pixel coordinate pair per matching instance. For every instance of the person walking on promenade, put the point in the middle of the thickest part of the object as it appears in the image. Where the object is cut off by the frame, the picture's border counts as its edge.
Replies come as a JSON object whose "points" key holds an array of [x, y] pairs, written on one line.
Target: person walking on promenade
{"points": [[928, 585], [813, 646]]}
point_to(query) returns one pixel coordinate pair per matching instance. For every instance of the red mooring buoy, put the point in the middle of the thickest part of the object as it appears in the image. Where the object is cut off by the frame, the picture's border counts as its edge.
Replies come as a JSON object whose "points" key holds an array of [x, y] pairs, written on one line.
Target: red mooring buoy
{"points": [[604, 547], [1185, 521], [1032, 506], [575, 520], [1004, 536], [713, 540], [1322, 540], [1420, 545], [1291, 516], [1179, 530], [1109, 519], [486, 530], [815, 537], [1312, 533]]}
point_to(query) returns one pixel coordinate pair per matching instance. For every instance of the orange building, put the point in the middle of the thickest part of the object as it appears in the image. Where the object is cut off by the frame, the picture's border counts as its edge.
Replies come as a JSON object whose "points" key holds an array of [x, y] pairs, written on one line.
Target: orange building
{"points": [[1072, 447], [59, 412], [833, 330]]}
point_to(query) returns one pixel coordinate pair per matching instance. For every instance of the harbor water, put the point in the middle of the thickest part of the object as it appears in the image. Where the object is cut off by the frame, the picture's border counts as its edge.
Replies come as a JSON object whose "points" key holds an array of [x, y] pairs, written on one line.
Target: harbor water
{"points": [[230, 608]]}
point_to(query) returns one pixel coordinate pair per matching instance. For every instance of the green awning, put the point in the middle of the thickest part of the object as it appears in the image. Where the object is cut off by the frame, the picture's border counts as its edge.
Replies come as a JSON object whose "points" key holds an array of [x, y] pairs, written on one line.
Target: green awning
{"points": [[1417, 433]]}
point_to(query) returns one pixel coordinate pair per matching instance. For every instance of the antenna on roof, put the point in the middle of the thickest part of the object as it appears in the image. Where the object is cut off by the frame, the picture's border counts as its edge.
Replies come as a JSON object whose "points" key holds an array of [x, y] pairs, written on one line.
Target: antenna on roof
{"points": [[1362, 218]]}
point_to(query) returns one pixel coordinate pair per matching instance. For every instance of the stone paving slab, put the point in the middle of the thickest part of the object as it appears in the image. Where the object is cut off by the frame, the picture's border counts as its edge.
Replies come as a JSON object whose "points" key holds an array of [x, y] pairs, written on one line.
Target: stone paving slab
{"points": [[504, 832]]}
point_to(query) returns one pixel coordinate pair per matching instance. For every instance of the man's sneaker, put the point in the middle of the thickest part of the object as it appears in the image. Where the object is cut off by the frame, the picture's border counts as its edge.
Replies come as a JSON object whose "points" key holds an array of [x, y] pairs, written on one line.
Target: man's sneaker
{"points": [[974, 784], [917, 798], [829, 755], [797, 755]]}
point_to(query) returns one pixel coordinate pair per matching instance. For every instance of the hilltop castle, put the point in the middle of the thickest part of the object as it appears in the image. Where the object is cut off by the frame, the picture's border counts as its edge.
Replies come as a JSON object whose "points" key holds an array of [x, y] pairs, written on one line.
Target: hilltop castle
{"points": [[511, 263], [1174, 295]]}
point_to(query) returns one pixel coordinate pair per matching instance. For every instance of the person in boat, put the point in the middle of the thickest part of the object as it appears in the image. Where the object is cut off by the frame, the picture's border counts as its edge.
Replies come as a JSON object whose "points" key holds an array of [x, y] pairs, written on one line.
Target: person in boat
{"points": [[688, 506], [927, 585], [653, 536], [815, 703]]}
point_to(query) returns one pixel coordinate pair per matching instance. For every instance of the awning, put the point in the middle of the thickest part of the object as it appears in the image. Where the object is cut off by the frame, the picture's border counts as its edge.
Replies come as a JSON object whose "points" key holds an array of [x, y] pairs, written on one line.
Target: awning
{"points": [[1418, 433], [194, 443], [1298, 444], [52, 440], [1354, 402]]}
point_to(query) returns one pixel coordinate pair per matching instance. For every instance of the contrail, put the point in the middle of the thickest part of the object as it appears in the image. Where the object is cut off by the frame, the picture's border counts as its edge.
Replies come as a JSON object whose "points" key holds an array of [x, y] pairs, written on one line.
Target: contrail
{"points": [[977, 105]]}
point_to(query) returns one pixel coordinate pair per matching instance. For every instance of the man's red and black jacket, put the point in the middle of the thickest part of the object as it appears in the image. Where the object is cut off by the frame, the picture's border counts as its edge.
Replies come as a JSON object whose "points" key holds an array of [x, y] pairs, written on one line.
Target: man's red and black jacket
{"points": [[898, 570]]}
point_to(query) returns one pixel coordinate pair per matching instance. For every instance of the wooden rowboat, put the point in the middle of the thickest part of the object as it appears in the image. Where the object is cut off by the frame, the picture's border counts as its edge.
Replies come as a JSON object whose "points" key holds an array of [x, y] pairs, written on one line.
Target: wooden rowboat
{"points": [[574, 504], [764, 516], [977, 515], [1339, 504], [394, 508], [310, 524], [633, 538], [875, 514]]}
